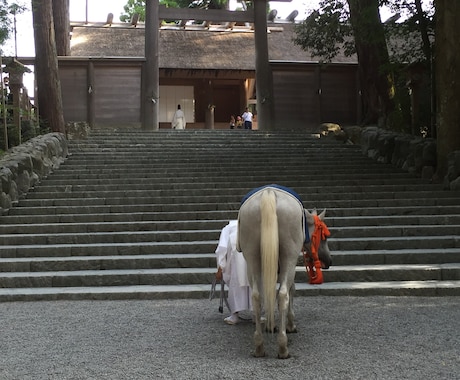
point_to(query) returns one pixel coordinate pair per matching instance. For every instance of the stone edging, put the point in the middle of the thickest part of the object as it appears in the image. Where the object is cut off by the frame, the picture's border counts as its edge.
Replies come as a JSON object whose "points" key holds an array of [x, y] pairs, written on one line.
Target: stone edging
{"points": [[413, 154], [22, 167]]}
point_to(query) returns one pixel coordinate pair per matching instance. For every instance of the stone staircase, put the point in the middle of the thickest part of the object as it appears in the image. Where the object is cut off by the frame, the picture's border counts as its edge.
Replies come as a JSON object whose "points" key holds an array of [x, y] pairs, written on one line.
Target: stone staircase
{"points": [[137, 215]]}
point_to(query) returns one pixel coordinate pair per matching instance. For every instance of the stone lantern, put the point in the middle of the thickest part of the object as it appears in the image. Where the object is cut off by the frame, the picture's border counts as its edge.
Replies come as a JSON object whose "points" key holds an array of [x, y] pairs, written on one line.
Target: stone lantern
{"points": [[16, 71]]}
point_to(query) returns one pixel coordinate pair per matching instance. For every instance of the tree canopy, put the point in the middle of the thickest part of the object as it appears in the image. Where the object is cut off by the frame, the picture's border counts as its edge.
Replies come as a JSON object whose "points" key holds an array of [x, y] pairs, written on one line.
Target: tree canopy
{"points": [[138, 6], [384, 51], [8, 9]]}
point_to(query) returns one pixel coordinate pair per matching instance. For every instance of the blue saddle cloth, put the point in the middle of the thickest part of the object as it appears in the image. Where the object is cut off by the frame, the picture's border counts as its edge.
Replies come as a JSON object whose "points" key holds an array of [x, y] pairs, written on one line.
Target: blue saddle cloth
{"points": [[284, 188], [287, 190]]}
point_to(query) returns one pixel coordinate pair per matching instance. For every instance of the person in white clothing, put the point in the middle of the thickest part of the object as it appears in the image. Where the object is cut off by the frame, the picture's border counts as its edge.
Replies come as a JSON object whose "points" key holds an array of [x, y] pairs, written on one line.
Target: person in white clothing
{"points": [[232, 268], [178, 121], [247, 118]]}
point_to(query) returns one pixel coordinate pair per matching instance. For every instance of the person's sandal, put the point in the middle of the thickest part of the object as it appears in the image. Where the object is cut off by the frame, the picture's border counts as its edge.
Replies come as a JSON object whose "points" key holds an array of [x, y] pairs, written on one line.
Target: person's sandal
{"points": [[232, 319]]}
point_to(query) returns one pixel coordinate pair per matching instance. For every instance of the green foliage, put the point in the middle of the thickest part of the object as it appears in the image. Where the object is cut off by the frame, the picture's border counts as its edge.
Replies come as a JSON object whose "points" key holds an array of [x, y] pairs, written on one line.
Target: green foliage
{"points": [[325, 32], [5, 22], [410, 41], [7, 10], [138, 6], [132, 7]]}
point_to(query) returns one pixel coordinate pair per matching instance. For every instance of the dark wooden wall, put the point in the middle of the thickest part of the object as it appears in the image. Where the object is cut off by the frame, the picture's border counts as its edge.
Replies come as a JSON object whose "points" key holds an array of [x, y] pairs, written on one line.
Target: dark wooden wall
{"points": [[108, 92], [104, 93], [311, 94]]}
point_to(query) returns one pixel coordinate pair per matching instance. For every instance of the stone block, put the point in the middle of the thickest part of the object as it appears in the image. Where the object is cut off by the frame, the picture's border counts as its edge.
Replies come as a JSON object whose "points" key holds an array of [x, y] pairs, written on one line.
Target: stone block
{"points": [[23, 166]]}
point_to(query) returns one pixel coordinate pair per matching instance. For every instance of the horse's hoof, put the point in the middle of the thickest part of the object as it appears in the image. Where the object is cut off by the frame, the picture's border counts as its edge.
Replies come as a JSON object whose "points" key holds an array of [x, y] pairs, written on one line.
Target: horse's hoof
{"points": [[284, 356], [291, 331], [259, 354]]}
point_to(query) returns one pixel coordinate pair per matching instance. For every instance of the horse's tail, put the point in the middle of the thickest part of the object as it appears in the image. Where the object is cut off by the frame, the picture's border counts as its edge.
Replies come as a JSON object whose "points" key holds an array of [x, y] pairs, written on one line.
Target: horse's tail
{"points": [[269, 248]]}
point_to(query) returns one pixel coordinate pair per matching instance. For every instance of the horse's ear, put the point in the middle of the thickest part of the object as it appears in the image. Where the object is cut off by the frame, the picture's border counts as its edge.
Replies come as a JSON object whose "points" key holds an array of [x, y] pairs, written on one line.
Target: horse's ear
{"points": [[310, 219], [322, 215]]}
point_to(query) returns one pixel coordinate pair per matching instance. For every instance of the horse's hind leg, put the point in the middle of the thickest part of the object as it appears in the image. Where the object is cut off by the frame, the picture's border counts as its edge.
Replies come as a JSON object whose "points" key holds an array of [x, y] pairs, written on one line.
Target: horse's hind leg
{"points": [[283, 304], [291, 327], [258, 334]]}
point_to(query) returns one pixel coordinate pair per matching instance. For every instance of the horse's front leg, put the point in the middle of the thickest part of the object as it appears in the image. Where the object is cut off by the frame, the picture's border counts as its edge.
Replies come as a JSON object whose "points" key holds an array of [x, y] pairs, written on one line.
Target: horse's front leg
{"points": [[283, 304]]}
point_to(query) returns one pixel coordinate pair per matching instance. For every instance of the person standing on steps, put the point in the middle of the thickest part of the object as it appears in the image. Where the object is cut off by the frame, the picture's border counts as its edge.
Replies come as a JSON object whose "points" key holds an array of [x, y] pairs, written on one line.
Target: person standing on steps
{"points": [[247, 118], [178, 121], [232, 269], [232, 122], [239, 122]]}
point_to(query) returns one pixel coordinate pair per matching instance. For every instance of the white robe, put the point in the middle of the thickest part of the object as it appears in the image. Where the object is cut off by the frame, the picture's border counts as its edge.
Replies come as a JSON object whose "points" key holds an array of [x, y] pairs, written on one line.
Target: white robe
{"points": [[178, 121], [234, 270]]}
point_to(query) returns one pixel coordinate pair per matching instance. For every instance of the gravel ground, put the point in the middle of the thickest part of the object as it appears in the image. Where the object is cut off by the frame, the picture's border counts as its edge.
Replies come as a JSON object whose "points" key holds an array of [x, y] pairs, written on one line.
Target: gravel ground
{"points": [[338, 338]]}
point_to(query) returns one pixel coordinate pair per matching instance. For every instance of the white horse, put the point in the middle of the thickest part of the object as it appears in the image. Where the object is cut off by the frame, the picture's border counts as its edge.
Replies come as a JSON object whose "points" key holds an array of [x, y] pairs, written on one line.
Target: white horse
{"points": [[271, 235]]}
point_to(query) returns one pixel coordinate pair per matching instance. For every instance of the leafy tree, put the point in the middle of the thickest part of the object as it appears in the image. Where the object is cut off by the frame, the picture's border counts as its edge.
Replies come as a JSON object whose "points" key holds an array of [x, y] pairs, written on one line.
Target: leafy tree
{"points": [[7, 11], [414, 34], [138, 6], [374, 69], [326, 31], [354, 27]]}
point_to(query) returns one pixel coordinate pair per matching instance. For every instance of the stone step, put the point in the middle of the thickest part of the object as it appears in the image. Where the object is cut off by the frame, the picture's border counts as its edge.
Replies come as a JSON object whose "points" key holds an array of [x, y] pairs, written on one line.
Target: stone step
{"points": [[392, 243], [177, 236], [230, 202], [18, 222], [202, 291], [222, 181], [189, 229], [138, 215], [125, 226], [391, 272], [258, 177], [111, 244], [227, 195], [117, 217], [185, 276], [231, 165], [56, 189], [342, 259], [336, 208], [107, 249]]}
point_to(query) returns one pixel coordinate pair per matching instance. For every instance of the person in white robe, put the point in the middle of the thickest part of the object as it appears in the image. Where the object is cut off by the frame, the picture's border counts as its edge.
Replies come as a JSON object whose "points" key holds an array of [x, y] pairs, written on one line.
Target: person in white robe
{"points": [[178, 121], [232, 265]]}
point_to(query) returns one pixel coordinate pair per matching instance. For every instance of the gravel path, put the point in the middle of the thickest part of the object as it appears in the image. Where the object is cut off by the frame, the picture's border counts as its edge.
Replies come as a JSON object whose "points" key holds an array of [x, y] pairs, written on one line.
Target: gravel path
{"points": [[338, 338]]}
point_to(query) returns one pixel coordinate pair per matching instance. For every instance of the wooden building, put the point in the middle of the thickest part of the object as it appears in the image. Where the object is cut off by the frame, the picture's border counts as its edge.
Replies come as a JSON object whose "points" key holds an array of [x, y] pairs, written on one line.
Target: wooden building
{"points": [[209, 70]]}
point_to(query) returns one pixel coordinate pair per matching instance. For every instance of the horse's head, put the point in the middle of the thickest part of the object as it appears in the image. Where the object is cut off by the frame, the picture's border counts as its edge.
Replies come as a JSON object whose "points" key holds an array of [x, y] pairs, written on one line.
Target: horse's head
{"points": [[319, 233]]}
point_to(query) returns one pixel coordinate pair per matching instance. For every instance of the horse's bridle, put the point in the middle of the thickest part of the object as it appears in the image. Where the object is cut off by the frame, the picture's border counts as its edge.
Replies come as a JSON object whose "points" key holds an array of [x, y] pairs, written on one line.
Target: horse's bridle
{"points": [[310, 256]]}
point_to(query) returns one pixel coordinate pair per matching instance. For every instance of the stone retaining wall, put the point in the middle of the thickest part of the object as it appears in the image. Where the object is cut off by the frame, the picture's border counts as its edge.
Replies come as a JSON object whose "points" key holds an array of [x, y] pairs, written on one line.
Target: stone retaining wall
{"points": [[25, 165], [413, 154]]}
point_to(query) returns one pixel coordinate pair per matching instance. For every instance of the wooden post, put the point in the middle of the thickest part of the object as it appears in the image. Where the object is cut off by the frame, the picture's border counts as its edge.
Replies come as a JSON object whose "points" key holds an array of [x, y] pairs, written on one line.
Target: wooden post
{"points": [[151, 89]]}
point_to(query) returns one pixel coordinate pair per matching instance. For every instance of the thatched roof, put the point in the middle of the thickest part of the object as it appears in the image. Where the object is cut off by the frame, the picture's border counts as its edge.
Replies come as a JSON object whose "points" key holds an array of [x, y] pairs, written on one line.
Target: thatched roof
{"points": [[191, 49]]}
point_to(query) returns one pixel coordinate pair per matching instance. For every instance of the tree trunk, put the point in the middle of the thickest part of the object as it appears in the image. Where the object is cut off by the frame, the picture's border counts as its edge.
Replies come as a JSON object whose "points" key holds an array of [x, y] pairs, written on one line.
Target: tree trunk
{"points": [[448, 81], [46, 67], [374, 73], [61, 26], [264, 79]]}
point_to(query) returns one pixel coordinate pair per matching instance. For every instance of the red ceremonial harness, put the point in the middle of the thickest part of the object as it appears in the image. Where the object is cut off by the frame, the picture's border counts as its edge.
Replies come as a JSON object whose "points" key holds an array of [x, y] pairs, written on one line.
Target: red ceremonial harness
{"points": [[310, 257]]}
